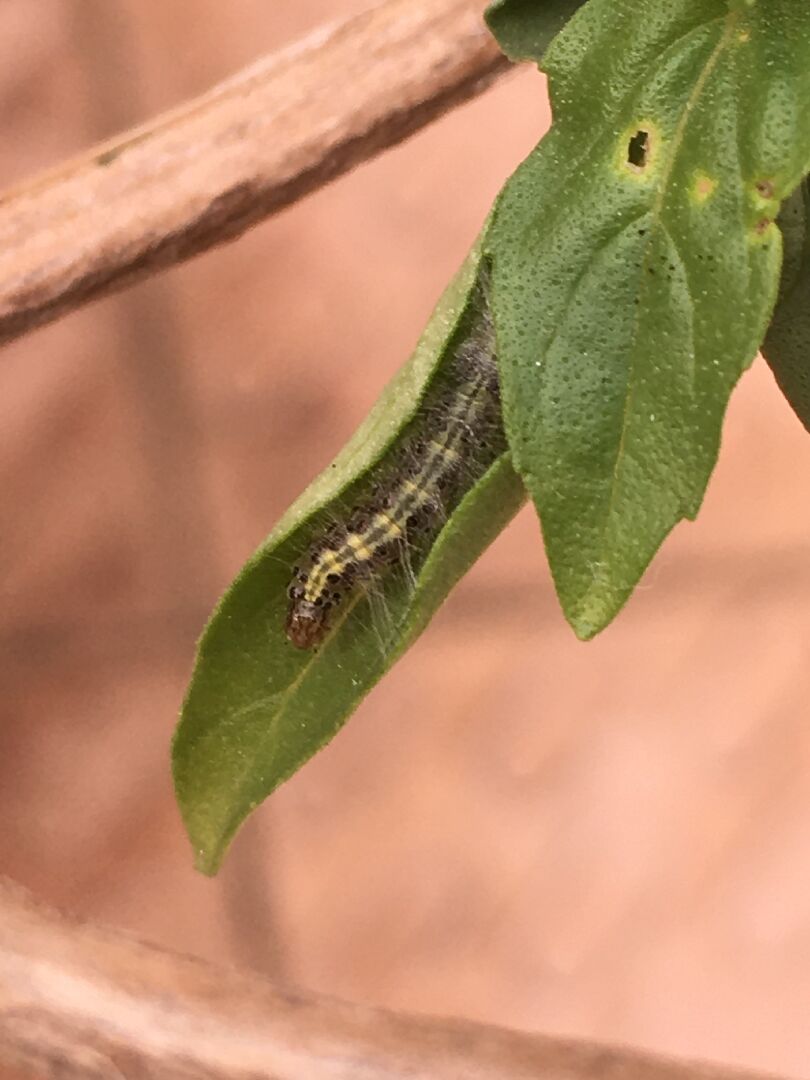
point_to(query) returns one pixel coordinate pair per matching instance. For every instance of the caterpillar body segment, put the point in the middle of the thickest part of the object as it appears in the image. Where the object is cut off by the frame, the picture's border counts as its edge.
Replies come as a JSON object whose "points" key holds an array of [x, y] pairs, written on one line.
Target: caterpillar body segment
{"points": [[455, 438]]}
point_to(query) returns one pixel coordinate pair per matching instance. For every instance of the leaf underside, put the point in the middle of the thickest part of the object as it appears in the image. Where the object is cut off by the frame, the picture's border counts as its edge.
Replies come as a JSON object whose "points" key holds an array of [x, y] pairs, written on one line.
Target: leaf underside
{"points": [[787, 344], [524, 28], [636, 265], [258, 708]]}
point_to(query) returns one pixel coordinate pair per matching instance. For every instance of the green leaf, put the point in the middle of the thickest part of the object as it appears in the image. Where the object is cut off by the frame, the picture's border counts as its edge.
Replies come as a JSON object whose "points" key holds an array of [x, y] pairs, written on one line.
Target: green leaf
{"points": [[635, 267], [523, 28], [257, 708], [787, 344]]}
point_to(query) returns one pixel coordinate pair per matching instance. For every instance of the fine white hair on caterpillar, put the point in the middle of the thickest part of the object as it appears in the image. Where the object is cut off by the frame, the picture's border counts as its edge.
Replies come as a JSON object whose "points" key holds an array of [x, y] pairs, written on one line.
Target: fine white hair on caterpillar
{"points": [[454, 438]]}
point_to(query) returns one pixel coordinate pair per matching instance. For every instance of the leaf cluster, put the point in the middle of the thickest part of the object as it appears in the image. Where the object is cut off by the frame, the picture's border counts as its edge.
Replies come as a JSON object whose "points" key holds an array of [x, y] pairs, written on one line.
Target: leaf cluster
{"points": [[637, 267]]}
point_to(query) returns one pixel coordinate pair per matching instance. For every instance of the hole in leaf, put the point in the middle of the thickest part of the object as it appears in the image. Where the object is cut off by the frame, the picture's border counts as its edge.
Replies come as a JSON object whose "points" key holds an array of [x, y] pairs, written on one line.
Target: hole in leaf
{"points": [[638, 149]]}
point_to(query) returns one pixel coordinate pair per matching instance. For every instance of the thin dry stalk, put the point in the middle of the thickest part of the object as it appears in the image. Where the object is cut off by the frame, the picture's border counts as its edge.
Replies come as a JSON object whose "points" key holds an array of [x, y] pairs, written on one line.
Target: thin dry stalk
{"points": [[204, 173]]}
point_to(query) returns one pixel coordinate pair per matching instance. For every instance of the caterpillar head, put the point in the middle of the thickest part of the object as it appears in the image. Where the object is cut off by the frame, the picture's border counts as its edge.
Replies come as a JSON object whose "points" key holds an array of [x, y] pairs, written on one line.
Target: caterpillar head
{"points": [[306, 623]]}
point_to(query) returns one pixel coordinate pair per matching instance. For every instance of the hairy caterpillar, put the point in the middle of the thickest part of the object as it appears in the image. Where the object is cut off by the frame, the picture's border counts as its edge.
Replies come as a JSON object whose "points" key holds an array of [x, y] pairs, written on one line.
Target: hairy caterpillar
{"points": [[455, 437]]}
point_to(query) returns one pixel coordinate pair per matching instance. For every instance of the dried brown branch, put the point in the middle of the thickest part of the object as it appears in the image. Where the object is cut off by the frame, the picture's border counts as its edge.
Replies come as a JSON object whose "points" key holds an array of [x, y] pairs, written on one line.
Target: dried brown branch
{"points": [[77, 1001], [204, 173]]}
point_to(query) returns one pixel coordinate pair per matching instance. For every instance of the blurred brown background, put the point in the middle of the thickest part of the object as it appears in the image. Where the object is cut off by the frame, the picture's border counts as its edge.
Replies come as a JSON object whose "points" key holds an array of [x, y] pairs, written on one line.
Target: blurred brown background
{"points": [[608, 840]]}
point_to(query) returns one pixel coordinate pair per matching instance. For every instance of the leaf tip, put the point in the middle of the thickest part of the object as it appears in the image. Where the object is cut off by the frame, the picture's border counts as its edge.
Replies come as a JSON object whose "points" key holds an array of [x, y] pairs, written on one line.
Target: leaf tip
{"points": [[593, 611], [208, 862]]}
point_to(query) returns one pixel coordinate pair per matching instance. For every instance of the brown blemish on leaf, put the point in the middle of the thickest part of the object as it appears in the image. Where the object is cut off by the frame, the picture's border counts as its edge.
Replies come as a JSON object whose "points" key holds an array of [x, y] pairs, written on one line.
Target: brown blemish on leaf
{"points": [[703, 188]]}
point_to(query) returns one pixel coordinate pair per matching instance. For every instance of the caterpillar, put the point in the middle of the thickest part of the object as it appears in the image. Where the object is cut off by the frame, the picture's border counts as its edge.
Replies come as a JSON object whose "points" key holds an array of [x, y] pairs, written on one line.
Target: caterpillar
{"points": [[450, 444]]}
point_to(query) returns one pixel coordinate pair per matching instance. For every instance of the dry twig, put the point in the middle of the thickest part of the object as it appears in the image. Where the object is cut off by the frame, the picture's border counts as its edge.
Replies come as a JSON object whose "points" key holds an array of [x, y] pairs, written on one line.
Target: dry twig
{"points": [[80, 1002], [206, 172]]}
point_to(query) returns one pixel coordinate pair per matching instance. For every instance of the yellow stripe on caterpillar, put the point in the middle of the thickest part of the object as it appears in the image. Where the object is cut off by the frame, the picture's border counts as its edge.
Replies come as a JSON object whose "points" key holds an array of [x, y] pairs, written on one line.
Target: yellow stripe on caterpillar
{"points": [[387, 525], [361, 550], [453, 441]]}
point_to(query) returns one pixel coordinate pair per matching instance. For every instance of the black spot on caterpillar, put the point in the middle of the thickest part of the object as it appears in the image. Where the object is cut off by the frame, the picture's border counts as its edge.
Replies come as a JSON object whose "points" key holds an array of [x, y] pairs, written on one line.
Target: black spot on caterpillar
{"points": [[450, 444]]}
